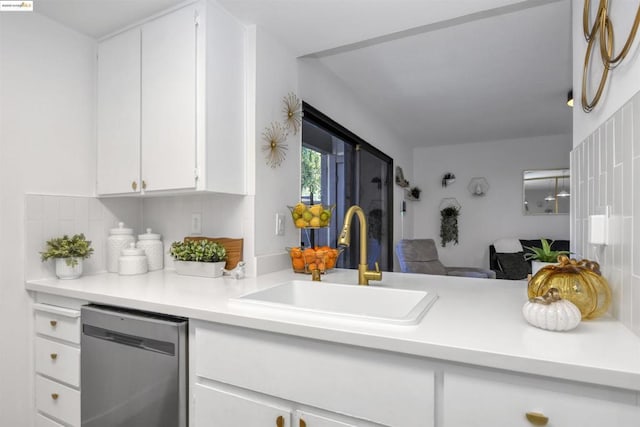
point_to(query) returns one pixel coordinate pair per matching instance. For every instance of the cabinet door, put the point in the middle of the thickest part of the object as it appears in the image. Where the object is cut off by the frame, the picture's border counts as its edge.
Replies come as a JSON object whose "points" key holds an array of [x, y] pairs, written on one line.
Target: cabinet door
{"points": [[218, 408], [309, 419], [118, 167], [169, 101], [481, 401]]}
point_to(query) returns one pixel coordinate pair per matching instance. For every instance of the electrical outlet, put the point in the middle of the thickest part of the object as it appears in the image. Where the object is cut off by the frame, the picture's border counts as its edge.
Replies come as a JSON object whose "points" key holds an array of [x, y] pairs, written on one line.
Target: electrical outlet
{"points": [[279, 224], [196, 223]]}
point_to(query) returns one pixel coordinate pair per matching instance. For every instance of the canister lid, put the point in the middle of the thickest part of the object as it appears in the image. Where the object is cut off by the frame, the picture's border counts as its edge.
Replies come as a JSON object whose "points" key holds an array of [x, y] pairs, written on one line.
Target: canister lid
{"points": [[120, 230], [132, 251], [149, 235]]}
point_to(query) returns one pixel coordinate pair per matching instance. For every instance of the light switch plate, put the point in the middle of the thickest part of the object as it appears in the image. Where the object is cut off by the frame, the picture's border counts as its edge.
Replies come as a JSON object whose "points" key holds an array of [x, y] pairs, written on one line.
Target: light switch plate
{"points": [[279, 224], [599, 226], [196, 223]]}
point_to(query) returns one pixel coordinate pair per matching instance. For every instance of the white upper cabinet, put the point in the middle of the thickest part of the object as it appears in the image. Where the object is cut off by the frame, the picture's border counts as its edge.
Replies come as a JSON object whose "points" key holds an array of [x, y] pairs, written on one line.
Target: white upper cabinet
{"points": [[169, 65], [118, 169], [171, 105]]}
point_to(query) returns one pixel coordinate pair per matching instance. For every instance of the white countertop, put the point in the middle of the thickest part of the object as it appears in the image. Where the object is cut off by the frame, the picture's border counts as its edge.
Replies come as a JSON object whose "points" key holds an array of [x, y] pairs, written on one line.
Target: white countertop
{"points": [[474, 321]]}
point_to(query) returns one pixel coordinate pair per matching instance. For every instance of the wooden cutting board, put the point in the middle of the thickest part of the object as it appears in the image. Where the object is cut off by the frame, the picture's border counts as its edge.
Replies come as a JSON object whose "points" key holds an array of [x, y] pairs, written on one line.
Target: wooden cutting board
{"points": [[232, 246]]}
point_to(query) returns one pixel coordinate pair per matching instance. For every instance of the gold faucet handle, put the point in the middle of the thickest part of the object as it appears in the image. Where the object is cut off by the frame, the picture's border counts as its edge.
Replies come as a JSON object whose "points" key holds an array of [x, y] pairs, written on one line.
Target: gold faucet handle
{"points": [[371, 274]]}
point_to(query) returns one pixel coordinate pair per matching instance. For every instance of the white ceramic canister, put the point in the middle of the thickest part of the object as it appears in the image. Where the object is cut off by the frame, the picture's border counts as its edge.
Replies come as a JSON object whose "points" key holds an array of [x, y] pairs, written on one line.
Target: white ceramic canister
{"points": [[132, 261], [153, 247], [119, 238]]}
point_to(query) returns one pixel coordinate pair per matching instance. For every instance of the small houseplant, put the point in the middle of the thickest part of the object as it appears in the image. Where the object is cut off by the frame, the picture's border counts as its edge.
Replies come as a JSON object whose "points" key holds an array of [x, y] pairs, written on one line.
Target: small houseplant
{"points": [[199, 258], [414, 193], [449, 225], [542, 256], [69, 252]]}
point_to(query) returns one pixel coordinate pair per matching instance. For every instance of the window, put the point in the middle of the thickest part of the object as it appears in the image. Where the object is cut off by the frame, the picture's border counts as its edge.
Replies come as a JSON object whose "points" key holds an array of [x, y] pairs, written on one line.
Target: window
{"points": [[341, 169]]}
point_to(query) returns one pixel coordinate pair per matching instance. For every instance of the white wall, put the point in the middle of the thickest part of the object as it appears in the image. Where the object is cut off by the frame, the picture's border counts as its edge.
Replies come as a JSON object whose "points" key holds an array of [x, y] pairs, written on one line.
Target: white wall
{"points": [[46, 145], [497, 214], [623, 81], [605, 159], [275, 76], [324, 91]]}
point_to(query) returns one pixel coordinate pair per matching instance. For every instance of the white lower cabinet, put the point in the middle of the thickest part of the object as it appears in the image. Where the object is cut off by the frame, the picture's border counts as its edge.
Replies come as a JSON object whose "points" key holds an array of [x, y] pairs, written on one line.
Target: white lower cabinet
{"points": [[482, 398], [220, 408], [323, 384], [42, 421], [224, 408], [309, 419], [58, 401], [57, 360], [57, 363]]}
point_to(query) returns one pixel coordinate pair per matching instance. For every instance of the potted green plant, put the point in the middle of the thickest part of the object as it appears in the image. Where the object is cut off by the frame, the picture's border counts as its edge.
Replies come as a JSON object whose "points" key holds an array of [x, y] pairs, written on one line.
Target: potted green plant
{"points": [[198, 258], [543, 256], [449, 225], [69, 253]]}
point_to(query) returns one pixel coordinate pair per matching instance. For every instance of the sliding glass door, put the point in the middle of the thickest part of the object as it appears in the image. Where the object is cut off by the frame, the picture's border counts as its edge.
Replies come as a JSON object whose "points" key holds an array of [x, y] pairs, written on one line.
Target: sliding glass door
{"points": [[341, 169]]}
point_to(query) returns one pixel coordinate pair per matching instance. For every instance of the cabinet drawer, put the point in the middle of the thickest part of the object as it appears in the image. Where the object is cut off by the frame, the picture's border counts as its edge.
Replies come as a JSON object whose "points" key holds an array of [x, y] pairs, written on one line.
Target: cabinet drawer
{"points": [[59, 361], [480, 400], [349, 380], [59, 401], [42, 421], [58, 322]]}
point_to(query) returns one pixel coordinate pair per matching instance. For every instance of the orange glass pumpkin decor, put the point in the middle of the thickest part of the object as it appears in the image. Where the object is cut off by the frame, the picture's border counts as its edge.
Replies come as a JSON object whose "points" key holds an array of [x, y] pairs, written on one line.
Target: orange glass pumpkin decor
{"points": [[577, 281]]}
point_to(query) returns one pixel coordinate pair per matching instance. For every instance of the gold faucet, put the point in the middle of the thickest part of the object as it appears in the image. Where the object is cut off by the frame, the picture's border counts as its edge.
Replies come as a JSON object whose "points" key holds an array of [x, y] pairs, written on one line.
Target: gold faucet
{"points": [[364, 274]]}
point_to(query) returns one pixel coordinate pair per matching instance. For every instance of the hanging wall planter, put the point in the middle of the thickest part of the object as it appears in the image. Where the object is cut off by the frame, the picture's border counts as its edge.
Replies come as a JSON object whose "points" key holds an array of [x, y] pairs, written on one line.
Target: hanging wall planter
{"points": [[449, 212], [412, 193]]}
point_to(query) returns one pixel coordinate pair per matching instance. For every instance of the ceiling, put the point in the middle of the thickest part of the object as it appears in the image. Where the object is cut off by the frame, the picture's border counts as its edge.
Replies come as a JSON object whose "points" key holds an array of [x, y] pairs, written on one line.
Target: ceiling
{"points": [[435, 71]]}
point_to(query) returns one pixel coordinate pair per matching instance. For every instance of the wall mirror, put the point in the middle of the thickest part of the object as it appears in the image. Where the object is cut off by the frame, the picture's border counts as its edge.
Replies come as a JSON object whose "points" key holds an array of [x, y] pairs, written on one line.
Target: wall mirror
{"points": [[546, 192]]}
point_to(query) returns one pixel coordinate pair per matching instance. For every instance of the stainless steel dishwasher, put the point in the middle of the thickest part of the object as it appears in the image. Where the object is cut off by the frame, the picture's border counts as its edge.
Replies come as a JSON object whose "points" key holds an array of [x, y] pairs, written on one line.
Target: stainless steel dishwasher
{"points": [[133, 368]]}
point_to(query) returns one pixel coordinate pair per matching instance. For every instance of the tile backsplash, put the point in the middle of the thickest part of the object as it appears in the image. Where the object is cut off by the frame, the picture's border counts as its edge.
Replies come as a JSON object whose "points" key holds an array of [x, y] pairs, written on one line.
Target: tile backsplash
{"points": [[605, 173], [48, 216], [52, 216], [223, 215]]}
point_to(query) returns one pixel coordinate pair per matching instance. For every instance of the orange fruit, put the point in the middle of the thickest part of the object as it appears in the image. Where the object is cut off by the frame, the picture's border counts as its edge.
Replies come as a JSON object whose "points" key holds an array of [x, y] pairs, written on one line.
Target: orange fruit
{"points": [[295, 253], [298, 264], [321, 266], [309, 255], [330, 263], [312, 266]]}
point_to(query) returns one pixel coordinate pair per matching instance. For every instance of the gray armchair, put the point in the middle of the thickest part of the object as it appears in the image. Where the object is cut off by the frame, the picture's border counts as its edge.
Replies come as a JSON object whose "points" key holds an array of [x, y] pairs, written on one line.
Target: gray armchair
{"points": [[421, 256]]}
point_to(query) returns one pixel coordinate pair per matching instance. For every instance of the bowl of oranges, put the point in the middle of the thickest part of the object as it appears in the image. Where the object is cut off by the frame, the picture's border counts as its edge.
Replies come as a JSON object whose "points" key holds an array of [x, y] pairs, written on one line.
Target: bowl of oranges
{"points": [[305, 260], [311, 216]]}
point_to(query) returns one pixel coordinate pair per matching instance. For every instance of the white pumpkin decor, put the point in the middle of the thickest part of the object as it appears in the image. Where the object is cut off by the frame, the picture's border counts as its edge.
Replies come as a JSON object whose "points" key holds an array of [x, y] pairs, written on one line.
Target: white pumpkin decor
{"points": [[552, 312]]}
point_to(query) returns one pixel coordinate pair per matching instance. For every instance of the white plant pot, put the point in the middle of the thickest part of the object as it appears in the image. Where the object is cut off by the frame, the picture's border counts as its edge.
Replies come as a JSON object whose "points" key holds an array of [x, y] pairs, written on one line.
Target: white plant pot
{"points": [[202, 269], [65, 272], [537, 265]]}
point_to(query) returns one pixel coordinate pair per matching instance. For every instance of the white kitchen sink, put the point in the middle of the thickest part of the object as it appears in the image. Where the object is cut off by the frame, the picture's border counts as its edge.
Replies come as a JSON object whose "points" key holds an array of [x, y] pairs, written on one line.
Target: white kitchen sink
{"points": [[362, 303]]}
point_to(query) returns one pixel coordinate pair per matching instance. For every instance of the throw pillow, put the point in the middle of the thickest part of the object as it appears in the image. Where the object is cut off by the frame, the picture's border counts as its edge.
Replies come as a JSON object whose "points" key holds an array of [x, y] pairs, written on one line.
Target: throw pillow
{"points": [[507, 245], [513, 265]]}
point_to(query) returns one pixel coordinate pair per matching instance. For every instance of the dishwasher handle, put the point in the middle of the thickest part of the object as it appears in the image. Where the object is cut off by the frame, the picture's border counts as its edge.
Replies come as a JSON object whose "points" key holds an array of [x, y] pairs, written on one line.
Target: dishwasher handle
{"points": [[129, 340]]}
